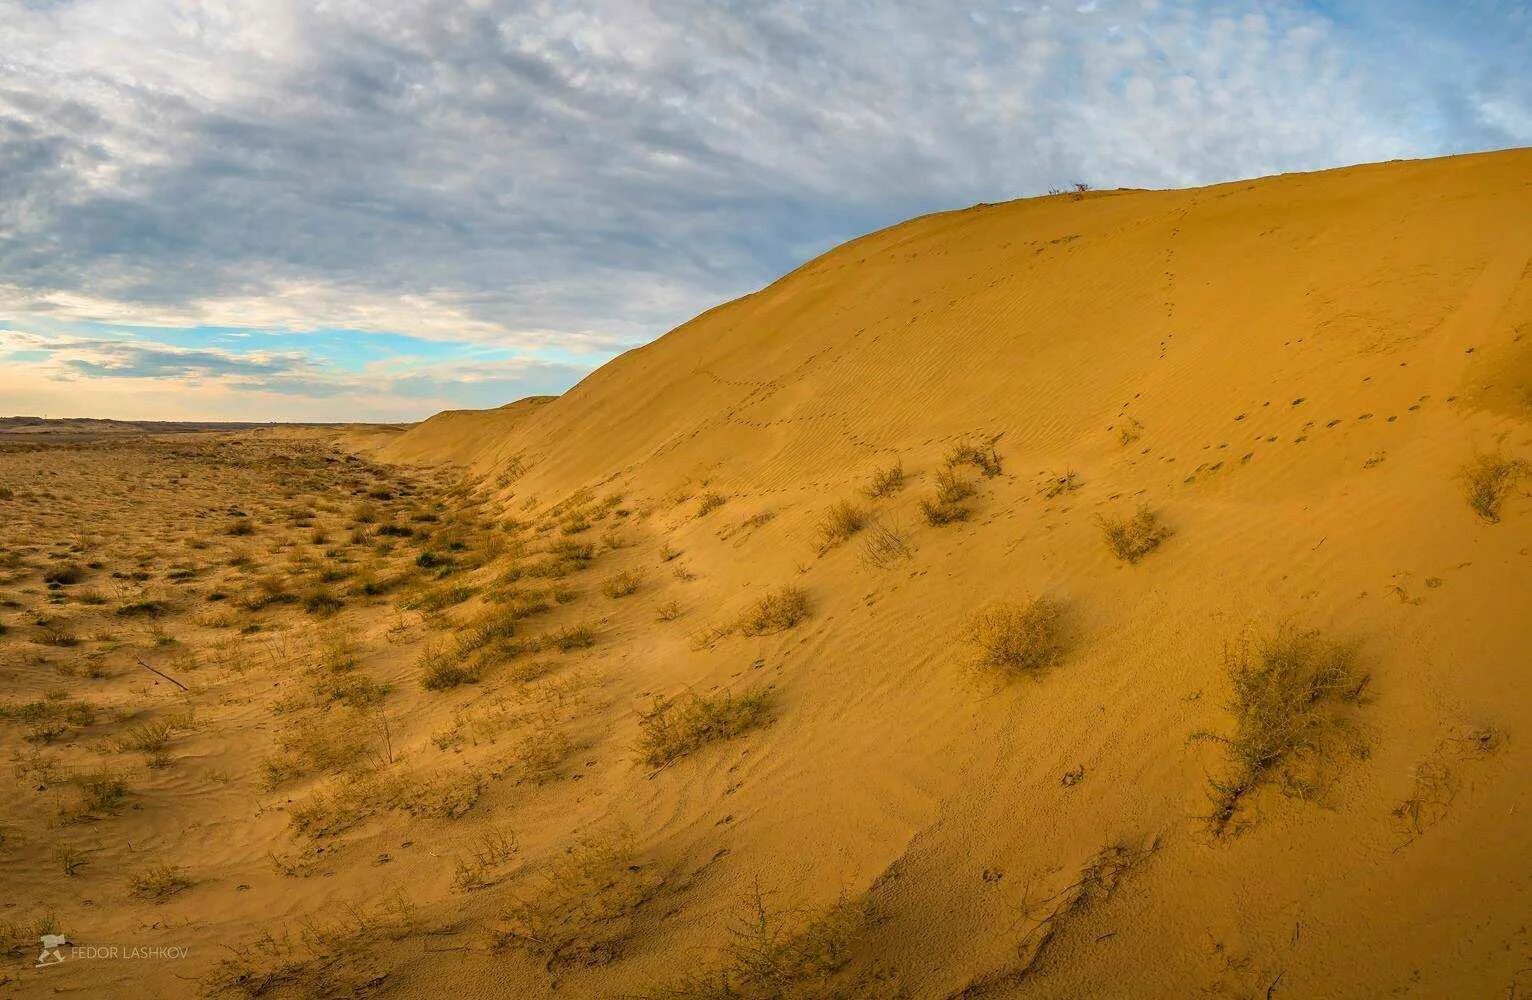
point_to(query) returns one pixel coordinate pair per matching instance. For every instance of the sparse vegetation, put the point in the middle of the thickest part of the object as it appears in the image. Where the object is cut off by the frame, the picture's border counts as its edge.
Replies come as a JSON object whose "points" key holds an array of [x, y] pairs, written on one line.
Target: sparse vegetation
{"points": [[772, 956], [671, 728], [572, 637], [585, 908], [1019, 637], [886, 544], [623, 584], [1289, 694], [710, 502], [1488, 480], [443, 667], [839, 523], [777, 611], [948, 504], [886, 482], [1133, 538], [159, 883], [983, 457]]}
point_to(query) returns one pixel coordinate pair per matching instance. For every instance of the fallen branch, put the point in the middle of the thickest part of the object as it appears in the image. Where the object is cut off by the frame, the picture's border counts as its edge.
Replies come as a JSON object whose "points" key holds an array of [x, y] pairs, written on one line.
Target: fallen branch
{"points": [[162, 673]]}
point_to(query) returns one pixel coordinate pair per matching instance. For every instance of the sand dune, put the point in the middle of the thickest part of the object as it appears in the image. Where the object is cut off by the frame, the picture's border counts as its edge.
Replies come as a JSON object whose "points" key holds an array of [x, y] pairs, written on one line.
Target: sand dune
{"points": [[1117, 595]]}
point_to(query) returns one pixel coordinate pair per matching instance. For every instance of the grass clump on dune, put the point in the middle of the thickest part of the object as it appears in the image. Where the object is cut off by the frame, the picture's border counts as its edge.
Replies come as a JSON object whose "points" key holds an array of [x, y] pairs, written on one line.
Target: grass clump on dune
{"points": [[571, 638], [1130, 539], [1018, 637], [947, 506], [586, 908], [675, 727], [159, 883], [983, 457], [776, 612], [1289, 691], [771, 957], [710, 502], [442, 668], [886, 482], [839, 523], [623, 584], [1488, 480]]}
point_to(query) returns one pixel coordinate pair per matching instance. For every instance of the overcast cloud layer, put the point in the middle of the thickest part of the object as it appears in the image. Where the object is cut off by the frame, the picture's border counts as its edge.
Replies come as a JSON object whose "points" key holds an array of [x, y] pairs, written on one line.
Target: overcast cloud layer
{"points": [[260, 209]]}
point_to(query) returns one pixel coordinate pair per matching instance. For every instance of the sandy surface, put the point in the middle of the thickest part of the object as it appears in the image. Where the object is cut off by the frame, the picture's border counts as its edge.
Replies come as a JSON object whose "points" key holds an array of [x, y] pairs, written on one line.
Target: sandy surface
{"points": [[1294, 376]]}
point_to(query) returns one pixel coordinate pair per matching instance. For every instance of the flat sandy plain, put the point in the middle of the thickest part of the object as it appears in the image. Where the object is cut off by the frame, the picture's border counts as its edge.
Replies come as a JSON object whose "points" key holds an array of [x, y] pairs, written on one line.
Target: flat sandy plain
{"points": [[1116, 595]]}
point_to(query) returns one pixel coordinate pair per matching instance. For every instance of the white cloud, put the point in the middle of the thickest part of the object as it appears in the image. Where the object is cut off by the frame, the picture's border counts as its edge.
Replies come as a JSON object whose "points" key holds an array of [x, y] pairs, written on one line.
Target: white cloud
{"points": [[541, 174]]}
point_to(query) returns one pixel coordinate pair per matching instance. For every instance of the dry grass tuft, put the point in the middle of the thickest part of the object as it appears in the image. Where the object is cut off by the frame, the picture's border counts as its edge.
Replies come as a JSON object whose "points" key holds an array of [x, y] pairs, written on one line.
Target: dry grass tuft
{"points": [[624, 584], [101, 792], [886, 482], [480, 867], [586, 906], [839, 523], [442, 667], [1290, 691], [673, 727], [159, 883], [772, 956], [983, 457], [1488, 480], [1132, 539], [571, 637], [710, 502], [776, 612], [886, 544], [1019, 637], [948, 506]]}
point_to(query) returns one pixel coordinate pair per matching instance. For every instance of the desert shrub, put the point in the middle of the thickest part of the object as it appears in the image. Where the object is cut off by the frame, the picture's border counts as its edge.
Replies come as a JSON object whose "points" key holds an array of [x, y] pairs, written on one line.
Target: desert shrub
{"points": [[537, 753], [100, 791], [586, 906], [674, 727], [947, 506], [623, 584], [572, 637], [241, 527], [151, 737], [1488, 480], [1018, 637], [442, 667], [323, 744], [1289, 692], [1133, 538], [144, 608], [325, 960], [562, 559], [439, 598], [886, 482], [776, 611], [886, 544], [479, 868], [776, 956], [159, 883], [839, 523], [319, 601], [983, 457], [18, 937], [69, 573], [710, 502], [668, 612]]}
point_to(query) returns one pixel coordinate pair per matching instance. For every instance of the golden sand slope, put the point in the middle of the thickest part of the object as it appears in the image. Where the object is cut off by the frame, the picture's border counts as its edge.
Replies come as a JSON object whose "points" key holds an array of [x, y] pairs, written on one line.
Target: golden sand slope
{"points": [[1297, 380]]}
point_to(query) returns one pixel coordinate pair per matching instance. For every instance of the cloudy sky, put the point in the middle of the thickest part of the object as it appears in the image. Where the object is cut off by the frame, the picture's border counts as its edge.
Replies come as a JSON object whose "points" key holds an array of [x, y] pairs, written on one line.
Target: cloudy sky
{"points": [[375, 209]]}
